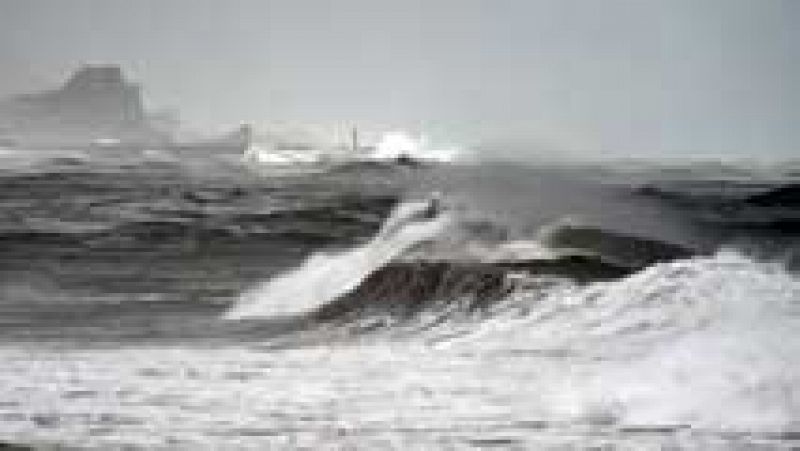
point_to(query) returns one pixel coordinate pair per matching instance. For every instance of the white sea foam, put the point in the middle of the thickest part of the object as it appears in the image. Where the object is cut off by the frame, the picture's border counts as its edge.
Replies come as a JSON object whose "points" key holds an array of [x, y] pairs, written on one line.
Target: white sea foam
{"points": [[709, 342], [270, 156], [720, 359]]}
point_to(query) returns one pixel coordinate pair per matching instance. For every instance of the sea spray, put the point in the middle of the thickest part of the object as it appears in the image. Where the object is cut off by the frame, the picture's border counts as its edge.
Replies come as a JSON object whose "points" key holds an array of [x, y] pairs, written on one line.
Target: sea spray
{"points": [[325, 276]]}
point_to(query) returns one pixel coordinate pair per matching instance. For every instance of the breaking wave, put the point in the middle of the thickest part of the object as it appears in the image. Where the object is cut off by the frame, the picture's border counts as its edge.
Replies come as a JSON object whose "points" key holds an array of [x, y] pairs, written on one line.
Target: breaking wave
{"points": [[425, 254], [324, 277], [650, 333]]}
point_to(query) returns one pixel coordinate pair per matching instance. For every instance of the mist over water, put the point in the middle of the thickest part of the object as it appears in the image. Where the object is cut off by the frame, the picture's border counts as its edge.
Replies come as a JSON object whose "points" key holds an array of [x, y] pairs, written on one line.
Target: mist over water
{"points": [[175, 303]]}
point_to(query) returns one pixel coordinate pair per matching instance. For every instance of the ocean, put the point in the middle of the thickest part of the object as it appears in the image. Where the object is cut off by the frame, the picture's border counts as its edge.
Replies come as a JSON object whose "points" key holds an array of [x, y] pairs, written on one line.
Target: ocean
{"points": [[154, 303]]}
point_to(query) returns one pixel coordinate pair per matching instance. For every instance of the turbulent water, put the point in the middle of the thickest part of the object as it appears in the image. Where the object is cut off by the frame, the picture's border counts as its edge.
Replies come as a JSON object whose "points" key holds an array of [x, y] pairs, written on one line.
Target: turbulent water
{"points": [[152, 303]]}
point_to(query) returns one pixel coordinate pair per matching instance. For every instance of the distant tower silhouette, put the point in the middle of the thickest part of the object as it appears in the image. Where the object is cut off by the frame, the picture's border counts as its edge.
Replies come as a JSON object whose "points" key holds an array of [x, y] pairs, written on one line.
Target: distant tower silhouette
{"points": [[355, 140], [246, 134]]}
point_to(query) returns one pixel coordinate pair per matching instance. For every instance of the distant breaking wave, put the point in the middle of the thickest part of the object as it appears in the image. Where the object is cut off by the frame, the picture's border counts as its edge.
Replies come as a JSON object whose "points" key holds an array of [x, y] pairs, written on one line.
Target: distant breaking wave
{"points": [[391, 147]]}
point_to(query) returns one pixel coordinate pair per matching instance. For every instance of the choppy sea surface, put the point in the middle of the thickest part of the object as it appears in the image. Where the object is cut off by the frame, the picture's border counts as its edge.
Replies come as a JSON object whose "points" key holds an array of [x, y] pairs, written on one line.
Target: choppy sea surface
{"points": [[152, 303]]}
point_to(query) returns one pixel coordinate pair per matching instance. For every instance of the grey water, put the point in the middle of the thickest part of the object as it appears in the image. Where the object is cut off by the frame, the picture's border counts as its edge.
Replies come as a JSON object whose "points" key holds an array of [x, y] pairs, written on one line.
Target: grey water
{"points": [[154, 303]]}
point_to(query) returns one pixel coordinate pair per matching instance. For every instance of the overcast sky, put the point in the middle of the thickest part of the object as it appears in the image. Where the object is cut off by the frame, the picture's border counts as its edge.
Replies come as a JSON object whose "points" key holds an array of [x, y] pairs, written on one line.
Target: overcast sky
{"points": [[621, 77]]}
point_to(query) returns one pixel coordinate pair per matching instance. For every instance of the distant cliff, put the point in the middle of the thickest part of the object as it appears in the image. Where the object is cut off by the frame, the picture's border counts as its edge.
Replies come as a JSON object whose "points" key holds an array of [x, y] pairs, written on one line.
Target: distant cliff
{"points": [[96, 103]]}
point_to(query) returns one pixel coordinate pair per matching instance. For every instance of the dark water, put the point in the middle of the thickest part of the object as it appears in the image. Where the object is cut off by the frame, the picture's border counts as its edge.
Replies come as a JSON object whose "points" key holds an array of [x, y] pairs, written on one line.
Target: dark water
{"points": [[151, 303]]}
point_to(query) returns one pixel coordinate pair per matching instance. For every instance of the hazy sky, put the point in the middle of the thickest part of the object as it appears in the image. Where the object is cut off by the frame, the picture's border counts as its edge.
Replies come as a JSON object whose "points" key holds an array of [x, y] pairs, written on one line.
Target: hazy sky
{"points": [[621, 77]]}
